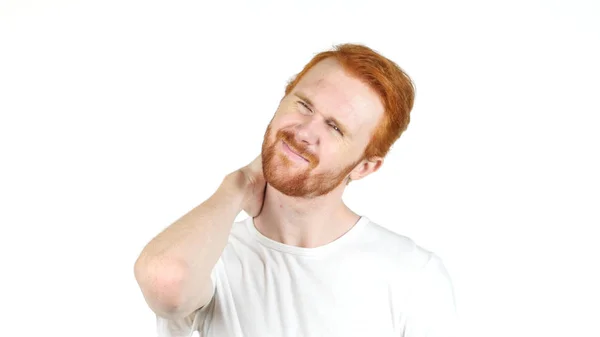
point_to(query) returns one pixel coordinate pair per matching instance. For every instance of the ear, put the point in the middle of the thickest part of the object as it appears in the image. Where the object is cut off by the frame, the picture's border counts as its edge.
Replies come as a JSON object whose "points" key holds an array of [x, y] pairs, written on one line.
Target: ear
{"points": [[366, 167]]}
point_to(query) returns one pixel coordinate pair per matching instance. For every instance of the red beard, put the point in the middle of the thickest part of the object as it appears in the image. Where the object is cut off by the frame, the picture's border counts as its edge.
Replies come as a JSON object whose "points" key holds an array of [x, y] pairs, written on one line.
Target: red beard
{"points": [[280, 173]]}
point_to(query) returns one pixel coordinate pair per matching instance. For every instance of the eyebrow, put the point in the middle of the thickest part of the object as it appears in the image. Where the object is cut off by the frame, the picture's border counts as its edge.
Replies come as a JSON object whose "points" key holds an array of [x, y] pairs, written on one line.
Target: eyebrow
{"points": [[340, 125]]}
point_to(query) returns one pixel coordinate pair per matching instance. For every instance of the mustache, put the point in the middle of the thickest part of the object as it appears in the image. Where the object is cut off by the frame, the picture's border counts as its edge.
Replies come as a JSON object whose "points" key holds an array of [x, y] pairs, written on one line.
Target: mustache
{"points": [[302, 150]]}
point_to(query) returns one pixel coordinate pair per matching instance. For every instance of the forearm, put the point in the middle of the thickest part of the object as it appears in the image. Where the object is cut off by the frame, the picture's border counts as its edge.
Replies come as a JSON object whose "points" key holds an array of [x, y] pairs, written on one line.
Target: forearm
{"points": [[179, 260]]}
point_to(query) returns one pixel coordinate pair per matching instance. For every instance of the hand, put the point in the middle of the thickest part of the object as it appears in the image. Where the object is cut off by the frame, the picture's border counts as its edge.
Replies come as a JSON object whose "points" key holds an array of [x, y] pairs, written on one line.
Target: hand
{"points": [[252, 181]]}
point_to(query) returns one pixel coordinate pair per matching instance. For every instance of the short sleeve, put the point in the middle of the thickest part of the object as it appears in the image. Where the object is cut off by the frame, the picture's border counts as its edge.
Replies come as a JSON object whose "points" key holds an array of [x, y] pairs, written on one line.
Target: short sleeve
{"points": [[184, 327], [432, 303]]}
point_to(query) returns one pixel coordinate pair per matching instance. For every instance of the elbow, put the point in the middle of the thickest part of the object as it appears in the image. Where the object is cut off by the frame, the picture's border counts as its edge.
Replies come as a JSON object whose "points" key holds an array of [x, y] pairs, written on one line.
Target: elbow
{"points": [[161, 285]]}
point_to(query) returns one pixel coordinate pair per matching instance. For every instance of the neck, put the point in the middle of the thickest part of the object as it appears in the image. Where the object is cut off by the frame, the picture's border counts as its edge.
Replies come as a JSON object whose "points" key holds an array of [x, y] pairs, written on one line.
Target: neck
{"points": [[304, 222]]}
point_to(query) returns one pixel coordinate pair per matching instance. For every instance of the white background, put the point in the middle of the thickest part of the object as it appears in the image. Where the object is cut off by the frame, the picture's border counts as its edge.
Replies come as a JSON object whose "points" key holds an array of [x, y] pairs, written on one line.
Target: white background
{"points": [[117, 117]]}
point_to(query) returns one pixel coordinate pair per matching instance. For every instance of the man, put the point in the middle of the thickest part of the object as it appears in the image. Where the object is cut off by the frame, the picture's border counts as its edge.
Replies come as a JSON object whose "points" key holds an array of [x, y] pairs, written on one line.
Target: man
{"points": [[303, 263]]}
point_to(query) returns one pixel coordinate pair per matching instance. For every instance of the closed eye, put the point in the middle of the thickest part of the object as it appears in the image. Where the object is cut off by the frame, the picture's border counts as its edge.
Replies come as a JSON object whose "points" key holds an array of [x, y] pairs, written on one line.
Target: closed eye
{"points": [[304, 105]]}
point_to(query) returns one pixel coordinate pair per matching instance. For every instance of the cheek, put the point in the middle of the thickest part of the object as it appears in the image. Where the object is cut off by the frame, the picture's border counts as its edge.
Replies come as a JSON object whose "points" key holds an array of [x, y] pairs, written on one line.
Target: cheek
{"points": [[284, 123], [338, 157], [330, 158]]}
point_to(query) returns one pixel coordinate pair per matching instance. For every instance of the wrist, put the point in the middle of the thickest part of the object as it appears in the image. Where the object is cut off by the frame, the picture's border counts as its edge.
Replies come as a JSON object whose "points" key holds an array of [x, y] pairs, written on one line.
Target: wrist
{"points": [[234, 186]]}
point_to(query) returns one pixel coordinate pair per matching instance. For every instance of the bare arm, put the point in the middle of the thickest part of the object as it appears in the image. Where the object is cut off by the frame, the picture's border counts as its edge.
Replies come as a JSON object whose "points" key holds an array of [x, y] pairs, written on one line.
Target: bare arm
{"points": [[173, 270]]}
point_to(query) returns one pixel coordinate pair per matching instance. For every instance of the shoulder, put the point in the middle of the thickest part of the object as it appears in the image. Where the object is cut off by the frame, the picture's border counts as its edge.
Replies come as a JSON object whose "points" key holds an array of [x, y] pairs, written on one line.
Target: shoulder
{"points": [[240, 227], [427, 269], [242, 238], [399, 249]]}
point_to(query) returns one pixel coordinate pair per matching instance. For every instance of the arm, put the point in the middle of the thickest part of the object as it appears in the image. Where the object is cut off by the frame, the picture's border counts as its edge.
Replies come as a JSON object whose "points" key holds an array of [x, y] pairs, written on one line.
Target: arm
{"points": [[173, 270]]}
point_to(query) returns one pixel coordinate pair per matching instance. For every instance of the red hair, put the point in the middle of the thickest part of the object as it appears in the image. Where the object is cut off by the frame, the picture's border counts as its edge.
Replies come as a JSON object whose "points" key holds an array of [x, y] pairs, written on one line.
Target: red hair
{"points": [[392, 84]]}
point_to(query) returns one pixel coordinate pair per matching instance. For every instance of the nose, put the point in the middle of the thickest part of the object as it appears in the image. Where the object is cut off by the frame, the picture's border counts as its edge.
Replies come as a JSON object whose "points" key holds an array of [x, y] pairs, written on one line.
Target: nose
{"points": [[307, 132]]}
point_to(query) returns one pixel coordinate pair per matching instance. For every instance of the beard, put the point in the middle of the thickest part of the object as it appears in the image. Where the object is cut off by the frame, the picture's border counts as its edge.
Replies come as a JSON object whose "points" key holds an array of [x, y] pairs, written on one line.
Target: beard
{"points": [[289, 177]]}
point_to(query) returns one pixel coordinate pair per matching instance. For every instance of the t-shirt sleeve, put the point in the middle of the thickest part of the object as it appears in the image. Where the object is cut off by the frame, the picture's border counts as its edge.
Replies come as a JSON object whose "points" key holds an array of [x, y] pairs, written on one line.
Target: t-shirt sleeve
{"points": [[432, 303], [185, 327]]}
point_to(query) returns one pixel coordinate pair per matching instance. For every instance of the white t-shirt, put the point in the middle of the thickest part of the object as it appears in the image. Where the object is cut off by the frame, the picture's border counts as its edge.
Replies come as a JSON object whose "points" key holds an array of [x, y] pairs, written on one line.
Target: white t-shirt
{"points": [[369, 282]]}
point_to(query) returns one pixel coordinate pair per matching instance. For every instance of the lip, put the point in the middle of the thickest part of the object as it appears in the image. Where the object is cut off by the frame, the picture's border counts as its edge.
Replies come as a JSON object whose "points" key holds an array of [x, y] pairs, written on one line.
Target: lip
{"points": [[291, 152]]}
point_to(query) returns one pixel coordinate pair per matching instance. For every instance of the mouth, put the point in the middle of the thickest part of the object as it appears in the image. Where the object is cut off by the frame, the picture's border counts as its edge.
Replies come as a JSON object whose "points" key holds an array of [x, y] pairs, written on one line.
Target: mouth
{"points": [[290, 152]]}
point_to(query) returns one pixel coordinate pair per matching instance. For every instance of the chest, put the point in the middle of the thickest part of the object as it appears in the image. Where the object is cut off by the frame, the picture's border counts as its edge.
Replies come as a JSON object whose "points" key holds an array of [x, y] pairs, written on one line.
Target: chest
{"points": [[279, 296]]}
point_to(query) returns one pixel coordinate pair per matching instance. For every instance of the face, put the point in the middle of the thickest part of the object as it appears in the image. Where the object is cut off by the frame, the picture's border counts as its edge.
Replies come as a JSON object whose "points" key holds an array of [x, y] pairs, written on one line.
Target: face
{"points": [[318, 135]]}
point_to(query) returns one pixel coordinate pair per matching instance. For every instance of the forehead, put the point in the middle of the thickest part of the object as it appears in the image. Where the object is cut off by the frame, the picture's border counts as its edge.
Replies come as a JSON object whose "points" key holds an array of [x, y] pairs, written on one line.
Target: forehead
{"points": [[337, 94]]}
